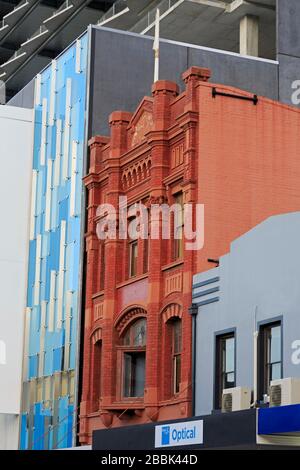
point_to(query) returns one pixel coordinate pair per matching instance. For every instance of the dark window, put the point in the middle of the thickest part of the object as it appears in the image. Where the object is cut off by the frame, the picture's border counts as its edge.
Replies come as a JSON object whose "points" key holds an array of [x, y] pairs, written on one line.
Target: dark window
{"points": [[134, 359], [178, 226], [97, 375], [225, 366], [269, 357], [133, 256], [176, 354]]}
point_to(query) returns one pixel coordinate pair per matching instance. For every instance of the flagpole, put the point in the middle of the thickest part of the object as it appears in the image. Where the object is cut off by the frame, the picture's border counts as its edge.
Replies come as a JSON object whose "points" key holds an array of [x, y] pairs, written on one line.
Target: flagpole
{"points": [[156, 47]]}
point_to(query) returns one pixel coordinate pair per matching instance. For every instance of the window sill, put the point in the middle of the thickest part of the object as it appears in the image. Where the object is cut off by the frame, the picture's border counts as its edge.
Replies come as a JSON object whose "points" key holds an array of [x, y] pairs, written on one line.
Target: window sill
{"points": [[172, 265], [132, 280], [98, 294]]}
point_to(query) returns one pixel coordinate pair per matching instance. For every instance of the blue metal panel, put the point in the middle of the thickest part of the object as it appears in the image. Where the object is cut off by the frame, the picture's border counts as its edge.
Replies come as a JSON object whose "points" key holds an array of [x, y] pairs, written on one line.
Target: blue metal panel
{"points": [[67, 81], [279, 420]]}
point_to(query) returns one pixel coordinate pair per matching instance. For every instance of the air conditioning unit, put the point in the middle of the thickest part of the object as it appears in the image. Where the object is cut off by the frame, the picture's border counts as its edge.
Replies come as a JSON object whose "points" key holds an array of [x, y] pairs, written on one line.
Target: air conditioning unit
{"points": [[236, 399], [285, 392]]}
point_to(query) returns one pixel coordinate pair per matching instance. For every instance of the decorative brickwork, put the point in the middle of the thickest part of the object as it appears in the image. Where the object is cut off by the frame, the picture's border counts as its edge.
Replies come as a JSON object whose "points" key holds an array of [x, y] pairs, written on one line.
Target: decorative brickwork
{"points": [[241, 161]]}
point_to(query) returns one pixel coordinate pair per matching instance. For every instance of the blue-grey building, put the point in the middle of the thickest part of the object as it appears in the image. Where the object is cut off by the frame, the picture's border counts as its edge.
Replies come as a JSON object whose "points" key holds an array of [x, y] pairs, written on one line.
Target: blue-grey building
{"points": [[246, 312]]}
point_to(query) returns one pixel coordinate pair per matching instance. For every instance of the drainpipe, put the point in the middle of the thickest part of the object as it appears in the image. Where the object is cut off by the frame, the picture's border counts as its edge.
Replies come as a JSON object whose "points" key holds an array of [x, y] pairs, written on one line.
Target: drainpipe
{"points": [[193, 310]]}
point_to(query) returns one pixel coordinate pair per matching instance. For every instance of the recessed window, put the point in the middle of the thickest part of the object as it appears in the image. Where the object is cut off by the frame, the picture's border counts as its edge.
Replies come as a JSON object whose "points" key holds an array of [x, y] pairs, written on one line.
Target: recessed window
{"points": [[270, 356], [134, 360], [133, 257], [225, 366], [176, 354], [178, 226]]}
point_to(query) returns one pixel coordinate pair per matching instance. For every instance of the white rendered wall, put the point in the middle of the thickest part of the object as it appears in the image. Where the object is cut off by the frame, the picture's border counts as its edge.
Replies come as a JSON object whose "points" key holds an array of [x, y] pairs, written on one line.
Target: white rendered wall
{"points": [[16, 135]]}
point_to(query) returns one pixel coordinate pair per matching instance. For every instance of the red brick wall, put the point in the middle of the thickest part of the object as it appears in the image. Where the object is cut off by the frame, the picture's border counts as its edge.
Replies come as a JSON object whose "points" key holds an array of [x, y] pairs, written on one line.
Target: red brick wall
{"points": [[240, 160]]}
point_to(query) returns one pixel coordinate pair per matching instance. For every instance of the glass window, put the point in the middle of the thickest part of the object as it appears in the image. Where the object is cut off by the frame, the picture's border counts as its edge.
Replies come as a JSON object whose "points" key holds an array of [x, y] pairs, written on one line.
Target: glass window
{"points": [[270, 356], [134, 359], [176, 354], [225, 366], [134, 374], [178, 226], [133, 256]]}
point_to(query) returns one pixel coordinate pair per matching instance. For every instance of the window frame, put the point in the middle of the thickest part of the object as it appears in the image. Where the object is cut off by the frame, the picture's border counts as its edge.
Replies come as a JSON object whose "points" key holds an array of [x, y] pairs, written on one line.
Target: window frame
{"points": [[175, 355], [218, 361], [263, 366], [130, 349], [178, 243]]}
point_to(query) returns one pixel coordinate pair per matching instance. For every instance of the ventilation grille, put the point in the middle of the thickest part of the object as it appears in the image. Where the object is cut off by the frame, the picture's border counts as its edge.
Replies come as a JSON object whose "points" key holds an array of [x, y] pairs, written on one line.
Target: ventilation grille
{"points": [[275, 395], [227, 403]]}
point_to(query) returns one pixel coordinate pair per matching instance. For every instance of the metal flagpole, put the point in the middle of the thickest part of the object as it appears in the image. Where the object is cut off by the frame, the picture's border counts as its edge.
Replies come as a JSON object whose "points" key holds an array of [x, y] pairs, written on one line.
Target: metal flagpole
{"points": [[156, 47]]}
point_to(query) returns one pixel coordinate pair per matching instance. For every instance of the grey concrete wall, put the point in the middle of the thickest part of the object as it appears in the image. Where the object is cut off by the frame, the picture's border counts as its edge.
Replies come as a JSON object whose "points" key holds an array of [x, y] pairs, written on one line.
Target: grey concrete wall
{"points": [[122, 71], [259, 279], [288, 46]]}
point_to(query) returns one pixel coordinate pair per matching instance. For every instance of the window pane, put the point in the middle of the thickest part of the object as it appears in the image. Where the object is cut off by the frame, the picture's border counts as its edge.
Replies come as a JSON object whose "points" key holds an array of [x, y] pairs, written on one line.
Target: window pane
{"points": [[275, 371], [177, 373], [229, 380], [139, 376], [275, 344], [133, 258], [229, 355], [177, 336], [127, 375], [134, 374], [139, 333]]}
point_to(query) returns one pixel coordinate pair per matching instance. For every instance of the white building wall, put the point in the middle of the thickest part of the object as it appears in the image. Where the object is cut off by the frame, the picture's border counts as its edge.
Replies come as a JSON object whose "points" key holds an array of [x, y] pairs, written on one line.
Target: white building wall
{"points": [[16, 141]]}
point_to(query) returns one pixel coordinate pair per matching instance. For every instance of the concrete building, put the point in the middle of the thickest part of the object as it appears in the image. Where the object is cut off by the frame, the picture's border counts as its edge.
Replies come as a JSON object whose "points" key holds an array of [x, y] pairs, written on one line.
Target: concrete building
{"points": [[255, 288], [266, 29], [16, 162]]}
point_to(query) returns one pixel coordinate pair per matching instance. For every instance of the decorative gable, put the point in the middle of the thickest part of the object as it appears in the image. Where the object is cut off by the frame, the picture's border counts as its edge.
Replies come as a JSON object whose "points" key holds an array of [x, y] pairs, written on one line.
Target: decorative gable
{"points": [[141, 122]]}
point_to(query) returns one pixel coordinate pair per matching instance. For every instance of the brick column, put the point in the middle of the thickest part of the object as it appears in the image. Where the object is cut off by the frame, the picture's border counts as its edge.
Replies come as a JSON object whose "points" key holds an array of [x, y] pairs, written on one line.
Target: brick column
{"points": [[113, 248], [164, 93]]}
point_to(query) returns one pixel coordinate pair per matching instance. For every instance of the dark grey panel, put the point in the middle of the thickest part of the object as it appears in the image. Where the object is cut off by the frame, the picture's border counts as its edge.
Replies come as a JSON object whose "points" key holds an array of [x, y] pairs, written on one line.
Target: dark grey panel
{"points": [[289, 72], [122, 72], [255, 76], [123, 63], [25, 97], [288, 34]]}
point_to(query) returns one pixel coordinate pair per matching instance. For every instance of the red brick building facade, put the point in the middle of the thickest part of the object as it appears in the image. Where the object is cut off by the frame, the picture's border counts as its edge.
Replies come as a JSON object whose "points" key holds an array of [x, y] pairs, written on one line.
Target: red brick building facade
{"points": [[233, 154]]}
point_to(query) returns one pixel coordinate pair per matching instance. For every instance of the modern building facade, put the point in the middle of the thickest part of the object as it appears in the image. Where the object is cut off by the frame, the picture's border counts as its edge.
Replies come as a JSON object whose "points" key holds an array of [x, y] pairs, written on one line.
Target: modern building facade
{"points": [[265, 29], [230, 151], [254, 291], [16, 163], [53, 294]]}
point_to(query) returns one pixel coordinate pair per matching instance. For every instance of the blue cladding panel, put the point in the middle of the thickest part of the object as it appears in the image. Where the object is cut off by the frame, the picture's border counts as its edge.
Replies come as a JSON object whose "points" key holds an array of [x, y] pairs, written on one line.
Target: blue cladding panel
{"points": [[53, 265], [279, 420]]}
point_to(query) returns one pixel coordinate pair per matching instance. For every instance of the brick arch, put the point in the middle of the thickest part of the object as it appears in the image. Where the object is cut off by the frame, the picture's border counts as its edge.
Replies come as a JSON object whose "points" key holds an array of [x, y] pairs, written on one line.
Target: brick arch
{"points": [[170, 311], [128, 316], [96, 335]]}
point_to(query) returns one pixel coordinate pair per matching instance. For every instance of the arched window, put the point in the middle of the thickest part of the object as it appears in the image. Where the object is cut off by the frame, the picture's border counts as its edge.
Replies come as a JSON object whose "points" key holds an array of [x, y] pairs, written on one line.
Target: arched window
{"points": [[134, 358], [97, 359], [176, 354]]}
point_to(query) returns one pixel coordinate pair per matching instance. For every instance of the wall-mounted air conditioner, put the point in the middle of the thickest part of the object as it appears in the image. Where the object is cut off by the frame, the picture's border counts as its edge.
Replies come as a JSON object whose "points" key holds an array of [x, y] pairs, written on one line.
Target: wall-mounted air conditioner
{"points": [[236, 399], [285, 392]]}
